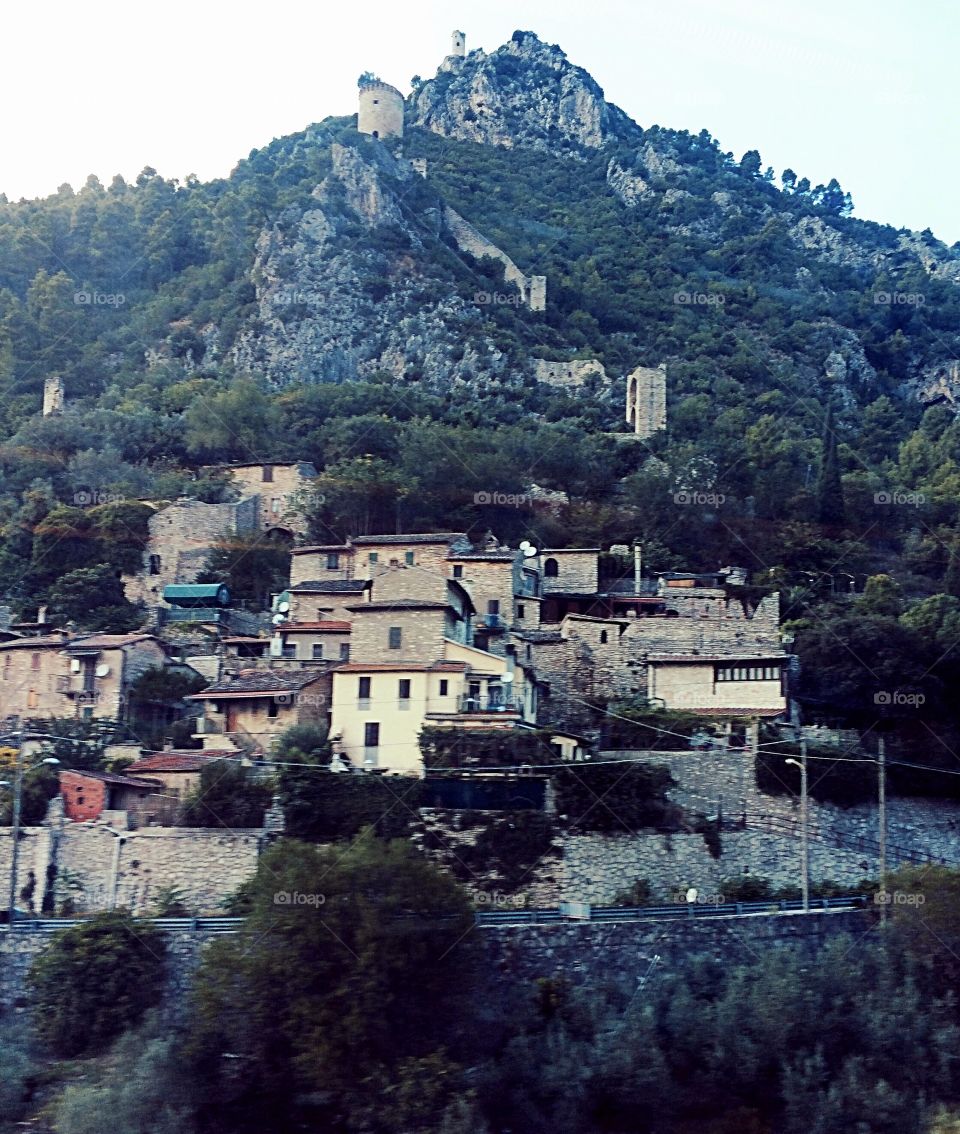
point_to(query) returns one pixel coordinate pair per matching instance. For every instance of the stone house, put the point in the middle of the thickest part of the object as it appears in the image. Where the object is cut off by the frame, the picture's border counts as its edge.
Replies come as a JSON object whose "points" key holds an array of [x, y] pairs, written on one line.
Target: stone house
{"points": [[252, 708], [321, 561], [505, 589], [413, 664], [323, 640], [321, 600], [83, 676], [177, 772], [88, 795], [374, 554], [182, 536], [283, 494]]}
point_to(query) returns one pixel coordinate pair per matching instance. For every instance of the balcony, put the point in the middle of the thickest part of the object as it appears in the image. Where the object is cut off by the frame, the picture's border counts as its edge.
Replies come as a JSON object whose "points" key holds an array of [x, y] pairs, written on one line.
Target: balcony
{"points": [[78, 685], [495, 704], [492, 623]]}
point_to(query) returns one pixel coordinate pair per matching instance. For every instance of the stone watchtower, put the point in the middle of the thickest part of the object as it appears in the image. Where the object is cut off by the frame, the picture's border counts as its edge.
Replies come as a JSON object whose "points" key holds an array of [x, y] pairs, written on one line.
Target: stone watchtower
{"points": [[458, 44], [53, 396], [380, 112]]}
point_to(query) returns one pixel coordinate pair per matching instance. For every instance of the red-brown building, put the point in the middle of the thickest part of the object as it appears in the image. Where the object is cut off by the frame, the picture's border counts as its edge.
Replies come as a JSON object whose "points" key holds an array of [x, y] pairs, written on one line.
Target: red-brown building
{"points": [[86, 795]]}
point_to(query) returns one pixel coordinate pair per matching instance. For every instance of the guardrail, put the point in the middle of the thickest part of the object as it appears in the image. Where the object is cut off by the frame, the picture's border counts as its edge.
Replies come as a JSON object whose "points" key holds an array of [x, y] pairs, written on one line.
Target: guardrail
{"points": [[566, 915]]}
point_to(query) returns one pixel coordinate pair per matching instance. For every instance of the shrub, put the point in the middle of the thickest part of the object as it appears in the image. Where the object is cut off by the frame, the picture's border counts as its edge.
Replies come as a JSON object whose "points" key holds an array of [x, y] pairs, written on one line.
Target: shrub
{"points": [[94, 981], [321, 806], [511, 846], [485, 748], [617, 798], [226, 797]]}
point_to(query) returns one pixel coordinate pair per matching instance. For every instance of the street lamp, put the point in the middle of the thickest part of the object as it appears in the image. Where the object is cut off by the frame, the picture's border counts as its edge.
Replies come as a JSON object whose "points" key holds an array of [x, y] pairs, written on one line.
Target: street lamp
{"points": [[804, 835], [17, 800]]}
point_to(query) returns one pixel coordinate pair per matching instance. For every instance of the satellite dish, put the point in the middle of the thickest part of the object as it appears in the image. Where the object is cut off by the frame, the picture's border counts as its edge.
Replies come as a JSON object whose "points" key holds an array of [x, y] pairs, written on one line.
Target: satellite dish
{"points": [[506, 677], [525, 546], [278, 618], [530, 552], [103, 670], [283, 607]]}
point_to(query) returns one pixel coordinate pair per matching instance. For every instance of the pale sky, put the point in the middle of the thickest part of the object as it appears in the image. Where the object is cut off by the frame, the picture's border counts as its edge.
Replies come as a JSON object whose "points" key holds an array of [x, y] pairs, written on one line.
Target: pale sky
{"points": [[860, 90]]}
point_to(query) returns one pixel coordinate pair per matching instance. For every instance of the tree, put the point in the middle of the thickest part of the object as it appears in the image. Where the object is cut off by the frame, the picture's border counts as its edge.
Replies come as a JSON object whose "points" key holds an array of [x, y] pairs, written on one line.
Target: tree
{"points": [[829, 490], [227, 796], [882, 595], [95, 980], [93, 598], [350, 963], [252, 567]]}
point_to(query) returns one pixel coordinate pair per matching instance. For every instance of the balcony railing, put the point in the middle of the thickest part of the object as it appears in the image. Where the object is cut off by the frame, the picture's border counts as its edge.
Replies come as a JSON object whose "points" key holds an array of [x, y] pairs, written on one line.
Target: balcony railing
{"points": [[491, 705]]}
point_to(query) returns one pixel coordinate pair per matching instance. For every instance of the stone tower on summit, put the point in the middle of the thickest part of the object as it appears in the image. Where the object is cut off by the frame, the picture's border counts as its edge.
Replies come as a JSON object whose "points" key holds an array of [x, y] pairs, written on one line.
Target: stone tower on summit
{"points": [[380, 112]]}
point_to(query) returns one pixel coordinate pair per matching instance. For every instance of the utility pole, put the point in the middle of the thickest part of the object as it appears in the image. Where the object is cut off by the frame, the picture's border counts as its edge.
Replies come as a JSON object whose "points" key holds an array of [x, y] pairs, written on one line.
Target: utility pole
{"points": [[805, 828], [882, 820], [15, 831]]}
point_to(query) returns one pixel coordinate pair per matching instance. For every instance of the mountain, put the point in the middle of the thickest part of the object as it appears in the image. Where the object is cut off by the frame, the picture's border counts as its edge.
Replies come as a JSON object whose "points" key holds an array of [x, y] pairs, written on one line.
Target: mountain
{"points": [[344, 299]]}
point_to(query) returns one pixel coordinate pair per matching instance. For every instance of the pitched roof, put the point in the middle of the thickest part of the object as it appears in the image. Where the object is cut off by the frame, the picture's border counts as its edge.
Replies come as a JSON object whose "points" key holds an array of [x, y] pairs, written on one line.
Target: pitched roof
{"points": [[738, 712], [328, 626], [107, 641], [255, 682], [46, 643], [495, 556], [733, 657], [416, 537], [179, 761], [311, 547], [403, 604], [404, 667], [331, 586], [113, 779]]}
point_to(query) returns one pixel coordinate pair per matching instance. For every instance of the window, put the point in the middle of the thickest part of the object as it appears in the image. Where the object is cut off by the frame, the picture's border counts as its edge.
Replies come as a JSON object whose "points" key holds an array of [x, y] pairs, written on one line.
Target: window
{"points": [[458, 570], [372, 557], [521, 610], [444, 686], [371, 734], [289, 650], [275, 505], [363, 689], [34, 661], [154, 564], [333, 560], [404, 689], [267, 473], [493, 606], [317, 651], [395, 637], [344, 651], [33, 701], [550, 569], [273, 708], [603, 637], [408, 558], [748, 673]]}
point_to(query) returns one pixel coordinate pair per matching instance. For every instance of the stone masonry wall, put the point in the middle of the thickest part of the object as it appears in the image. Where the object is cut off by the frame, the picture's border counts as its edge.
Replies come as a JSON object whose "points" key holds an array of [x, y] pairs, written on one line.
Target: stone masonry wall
{"points": [[596, 868], [586, 954]]}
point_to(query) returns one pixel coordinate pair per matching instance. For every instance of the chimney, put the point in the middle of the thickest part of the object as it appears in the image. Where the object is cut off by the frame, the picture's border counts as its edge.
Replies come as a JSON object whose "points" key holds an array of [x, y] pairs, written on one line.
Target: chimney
{"points": [[42, 615], [637, 567]]}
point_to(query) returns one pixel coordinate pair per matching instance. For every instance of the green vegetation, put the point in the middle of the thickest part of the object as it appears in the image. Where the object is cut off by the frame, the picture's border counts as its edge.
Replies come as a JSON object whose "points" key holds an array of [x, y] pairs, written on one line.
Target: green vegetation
{"points": [[616, 798], [322, 806], [96, 980], [227, 796]]}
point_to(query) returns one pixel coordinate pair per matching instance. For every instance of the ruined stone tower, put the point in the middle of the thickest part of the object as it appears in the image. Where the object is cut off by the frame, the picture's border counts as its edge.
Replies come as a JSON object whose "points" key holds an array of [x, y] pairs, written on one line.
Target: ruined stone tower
{"points": [[458, 44], [380, 112], [52, 396], [647, 400]]}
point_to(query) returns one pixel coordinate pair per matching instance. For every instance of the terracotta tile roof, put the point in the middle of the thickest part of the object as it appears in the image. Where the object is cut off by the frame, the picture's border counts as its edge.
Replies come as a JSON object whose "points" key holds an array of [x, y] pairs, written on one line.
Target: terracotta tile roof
{"points": [[403, 604], [738, 712], [254, 682], [416, 537], [179, 761], [732, 658], [308, 548], [113, 779], [331, 586], [47, 643], [540, 635], [107, 641], [493, 556], [330, 626], [400, 667]]}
